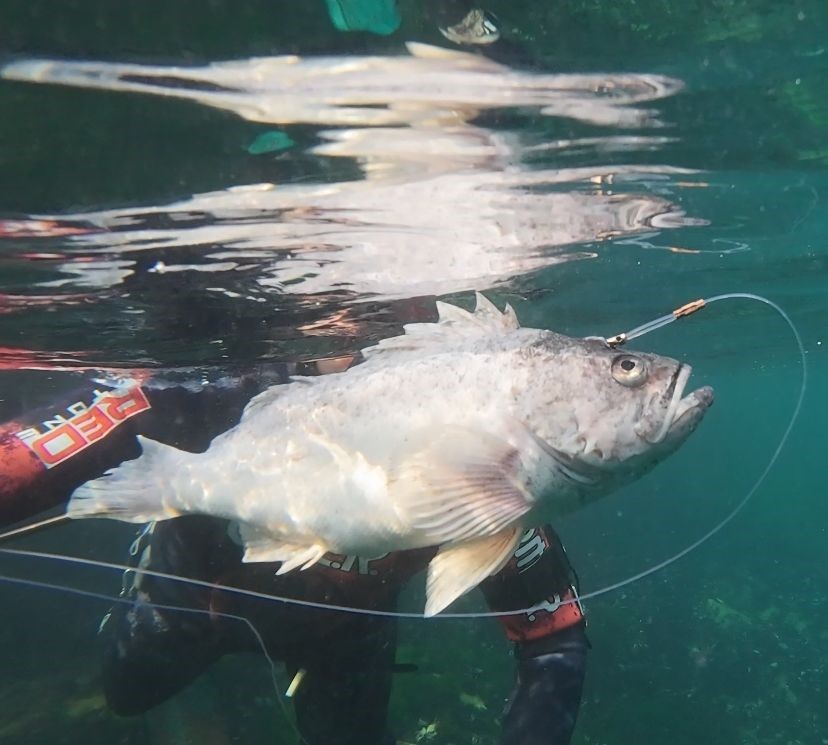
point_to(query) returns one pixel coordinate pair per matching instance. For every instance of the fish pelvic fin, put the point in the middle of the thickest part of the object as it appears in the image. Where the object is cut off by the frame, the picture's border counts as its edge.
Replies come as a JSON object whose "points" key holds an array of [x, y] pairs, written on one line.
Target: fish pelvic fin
{"points": [[459, 567], [134, 492]]}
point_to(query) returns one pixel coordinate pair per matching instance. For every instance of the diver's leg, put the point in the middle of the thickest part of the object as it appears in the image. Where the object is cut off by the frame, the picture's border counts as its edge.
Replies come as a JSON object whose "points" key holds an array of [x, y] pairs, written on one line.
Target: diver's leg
{"points": [[343, 696], [151, 651]]}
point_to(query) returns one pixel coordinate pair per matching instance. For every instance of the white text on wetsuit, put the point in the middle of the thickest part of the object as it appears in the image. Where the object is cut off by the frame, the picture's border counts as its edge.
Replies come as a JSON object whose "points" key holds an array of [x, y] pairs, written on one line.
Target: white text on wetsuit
{"points": [[64, 436]]}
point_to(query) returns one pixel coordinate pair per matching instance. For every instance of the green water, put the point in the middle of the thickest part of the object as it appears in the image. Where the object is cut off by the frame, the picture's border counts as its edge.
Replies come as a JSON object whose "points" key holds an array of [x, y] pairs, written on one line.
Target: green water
{"points": [[726, 646]]}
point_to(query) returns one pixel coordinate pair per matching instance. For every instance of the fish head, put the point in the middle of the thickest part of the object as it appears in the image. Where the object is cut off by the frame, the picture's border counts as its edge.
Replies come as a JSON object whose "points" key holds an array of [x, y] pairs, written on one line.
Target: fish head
{"points": [[614, 414]]}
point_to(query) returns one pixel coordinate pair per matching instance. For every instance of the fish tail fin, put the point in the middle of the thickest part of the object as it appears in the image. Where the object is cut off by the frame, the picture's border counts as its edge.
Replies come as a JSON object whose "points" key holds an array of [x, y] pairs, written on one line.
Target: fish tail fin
{"points": [[137, 491]]}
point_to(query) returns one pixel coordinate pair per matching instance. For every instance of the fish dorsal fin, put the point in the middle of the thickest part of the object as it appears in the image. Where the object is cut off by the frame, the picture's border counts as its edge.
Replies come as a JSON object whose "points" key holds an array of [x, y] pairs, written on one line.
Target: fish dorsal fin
{"points": [[466, 59], [486, 315], [453, 323]]}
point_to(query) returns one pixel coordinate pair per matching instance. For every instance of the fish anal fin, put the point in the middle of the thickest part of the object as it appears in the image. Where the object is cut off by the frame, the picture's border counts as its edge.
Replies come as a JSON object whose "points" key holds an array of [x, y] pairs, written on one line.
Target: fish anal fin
{"points": [[260, 546], [459, 567]]}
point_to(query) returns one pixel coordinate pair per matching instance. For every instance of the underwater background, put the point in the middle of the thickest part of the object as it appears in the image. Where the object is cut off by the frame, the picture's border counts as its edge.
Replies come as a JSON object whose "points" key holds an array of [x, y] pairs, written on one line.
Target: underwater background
{"points": [[626, 158]]}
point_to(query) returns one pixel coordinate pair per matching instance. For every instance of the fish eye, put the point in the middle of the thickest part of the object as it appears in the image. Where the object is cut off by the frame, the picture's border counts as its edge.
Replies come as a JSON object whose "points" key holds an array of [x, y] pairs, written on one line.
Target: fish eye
{"points": [[629, 370]]}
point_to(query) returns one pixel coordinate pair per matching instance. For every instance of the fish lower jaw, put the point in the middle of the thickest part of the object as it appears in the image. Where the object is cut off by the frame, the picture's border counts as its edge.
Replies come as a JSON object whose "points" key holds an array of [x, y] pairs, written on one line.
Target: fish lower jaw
{"points": [[692, 408], [685, 417]]}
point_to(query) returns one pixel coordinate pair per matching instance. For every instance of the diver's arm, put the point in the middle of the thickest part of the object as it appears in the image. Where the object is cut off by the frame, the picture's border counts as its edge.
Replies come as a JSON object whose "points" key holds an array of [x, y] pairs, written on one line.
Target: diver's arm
{"points": [[45, 454], [150, 649], [550, 641], [546, 697]]}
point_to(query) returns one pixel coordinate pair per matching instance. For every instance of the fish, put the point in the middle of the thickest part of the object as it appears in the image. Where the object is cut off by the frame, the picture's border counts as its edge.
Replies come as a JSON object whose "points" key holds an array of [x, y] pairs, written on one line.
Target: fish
{"points": [[454, 434]]}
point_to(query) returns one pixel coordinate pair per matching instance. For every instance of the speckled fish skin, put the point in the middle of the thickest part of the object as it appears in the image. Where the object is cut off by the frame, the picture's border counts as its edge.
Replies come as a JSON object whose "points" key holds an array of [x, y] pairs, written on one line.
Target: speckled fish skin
{"points": [[448, 435]]}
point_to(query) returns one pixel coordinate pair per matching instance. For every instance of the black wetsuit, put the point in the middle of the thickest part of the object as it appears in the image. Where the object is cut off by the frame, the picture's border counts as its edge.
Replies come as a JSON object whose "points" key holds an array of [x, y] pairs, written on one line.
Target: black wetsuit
{"points": [[151, 653]]}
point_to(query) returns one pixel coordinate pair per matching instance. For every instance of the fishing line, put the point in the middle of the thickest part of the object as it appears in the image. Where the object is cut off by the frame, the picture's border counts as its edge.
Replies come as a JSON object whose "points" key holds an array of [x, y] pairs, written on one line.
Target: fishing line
{"points": [[163, 606], [681, 312], [614, 341]]}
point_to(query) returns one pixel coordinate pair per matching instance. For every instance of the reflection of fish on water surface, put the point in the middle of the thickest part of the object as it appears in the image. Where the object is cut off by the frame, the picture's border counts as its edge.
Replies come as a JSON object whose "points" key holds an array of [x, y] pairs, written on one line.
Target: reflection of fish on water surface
{"points": [[444, 207], [423, 85], [449, 435], [434, 235]]}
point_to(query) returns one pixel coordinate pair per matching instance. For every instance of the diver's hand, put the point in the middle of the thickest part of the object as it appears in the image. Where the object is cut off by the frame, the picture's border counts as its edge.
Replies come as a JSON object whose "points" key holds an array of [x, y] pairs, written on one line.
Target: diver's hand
{"points": [[544, 703]]}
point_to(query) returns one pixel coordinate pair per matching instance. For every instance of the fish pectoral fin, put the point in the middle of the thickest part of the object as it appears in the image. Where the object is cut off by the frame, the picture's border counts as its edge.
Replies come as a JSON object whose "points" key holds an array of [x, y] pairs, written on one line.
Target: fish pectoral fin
{"points": [[461, 484], [260, 546], [459, 567]]}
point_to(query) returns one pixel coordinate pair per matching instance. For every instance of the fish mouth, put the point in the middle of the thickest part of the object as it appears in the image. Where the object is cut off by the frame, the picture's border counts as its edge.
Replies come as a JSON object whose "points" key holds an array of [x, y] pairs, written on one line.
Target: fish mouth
{"points": [[683, 412]]}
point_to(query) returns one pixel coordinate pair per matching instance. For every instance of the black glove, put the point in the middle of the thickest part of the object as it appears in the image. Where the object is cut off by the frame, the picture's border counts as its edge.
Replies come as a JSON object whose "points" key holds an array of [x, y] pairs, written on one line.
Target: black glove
{"points": [[544, 704]]}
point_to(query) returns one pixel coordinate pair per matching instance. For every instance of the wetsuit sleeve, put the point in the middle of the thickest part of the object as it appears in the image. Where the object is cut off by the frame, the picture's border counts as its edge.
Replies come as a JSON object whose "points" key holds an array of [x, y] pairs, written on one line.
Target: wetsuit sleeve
{"points": [[549, 636], [539, 580], [45, 454]]}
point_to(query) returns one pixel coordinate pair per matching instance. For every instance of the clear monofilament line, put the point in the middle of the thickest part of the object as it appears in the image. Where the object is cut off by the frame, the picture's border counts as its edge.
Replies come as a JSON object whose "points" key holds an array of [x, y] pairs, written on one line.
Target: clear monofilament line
{"points": [[663, 321], [165, 606], [646, 328]]}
